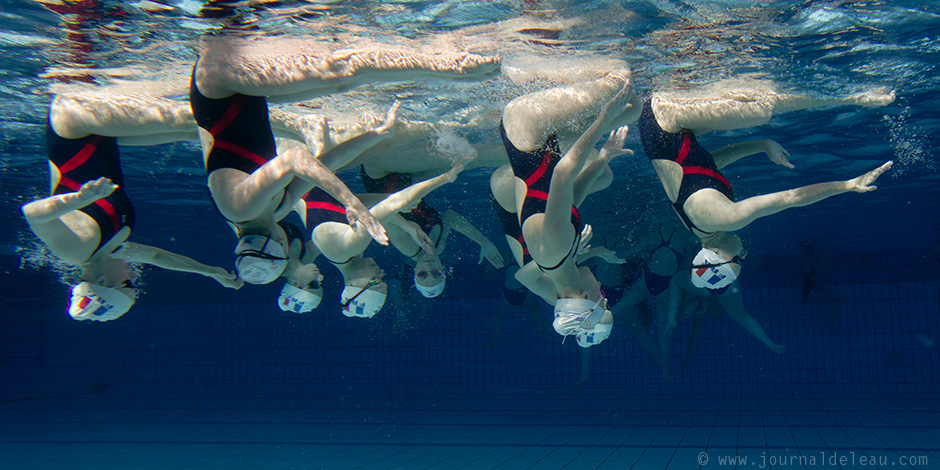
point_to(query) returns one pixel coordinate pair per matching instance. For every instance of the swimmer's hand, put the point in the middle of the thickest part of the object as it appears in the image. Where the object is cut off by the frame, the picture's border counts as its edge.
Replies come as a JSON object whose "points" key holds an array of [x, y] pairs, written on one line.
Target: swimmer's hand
{"points": [[776, 153], [491, 254], [584, 244], [97, 189], [614, 145], [418, 235], [863, 184], [358, 215], [227, 279], [608, 255], [387, 128], [618, 105]]}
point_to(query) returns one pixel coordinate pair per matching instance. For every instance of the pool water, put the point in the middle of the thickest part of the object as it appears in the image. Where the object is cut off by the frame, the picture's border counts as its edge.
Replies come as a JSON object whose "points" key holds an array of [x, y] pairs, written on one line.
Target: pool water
{"points": [[196, 376]]}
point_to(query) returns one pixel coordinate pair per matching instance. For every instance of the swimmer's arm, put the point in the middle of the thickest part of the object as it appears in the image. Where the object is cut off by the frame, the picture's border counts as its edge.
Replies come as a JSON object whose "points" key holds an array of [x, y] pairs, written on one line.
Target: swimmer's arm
{"points": [[602, 252], [734, 152], [53, 207], [594, 169], [357, 214], [537, 282], [408, 198], [136, 253], [315, 133], [311, 254], [579, 152], [596, 173], [488, 250], [407, 236], [345, 152], [586, 251]]}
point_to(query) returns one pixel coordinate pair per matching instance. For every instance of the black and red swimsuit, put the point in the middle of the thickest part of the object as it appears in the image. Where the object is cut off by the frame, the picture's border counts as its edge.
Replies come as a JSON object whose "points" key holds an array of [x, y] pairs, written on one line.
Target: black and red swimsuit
{"points": [[699, 170], [322, 208], [87, 159], [536, 169], [240, 128], [511, 228]]}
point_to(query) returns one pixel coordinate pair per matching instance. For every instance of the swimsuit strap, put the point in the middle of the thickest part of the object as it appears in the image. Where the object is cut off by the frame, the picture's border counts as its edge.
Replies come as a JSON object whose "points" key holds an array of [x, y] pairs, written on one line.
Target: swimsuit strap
{"points": [[574, 247], [667, 243], [336, 263]]}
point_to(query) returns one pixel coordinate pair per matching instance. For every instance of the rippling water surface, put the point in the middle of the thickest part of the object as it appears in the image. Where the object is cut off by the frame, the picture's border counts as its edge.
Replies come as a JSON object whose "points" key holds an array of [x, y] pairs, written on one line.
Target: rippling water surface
{"points": [[817, 47]]}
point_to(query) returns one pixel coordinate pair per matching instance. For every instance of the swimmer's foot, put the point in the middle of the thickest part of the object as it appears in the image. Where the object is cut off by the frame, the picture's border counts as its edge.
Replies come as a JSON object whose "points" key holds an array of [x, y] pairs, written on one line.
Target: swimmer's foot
{"points": [[873, 98], [464, 66], [667, 377], [778, 348], [685, 363]]}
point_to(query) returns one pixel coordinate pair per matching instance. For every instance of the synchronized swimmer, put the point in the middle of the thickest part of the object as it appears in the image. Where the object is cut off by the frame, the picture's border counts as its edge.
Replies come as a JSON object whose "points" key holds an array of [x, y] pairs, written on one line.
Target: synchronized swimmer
{"points": [[264, 163]]}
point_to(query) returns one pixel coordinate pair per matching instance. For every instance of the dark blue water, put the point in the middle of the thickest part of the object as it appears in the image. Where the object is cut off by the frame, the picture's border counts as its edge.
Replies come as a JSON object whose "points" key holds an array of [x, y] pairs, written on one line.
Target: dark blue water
{"points": [[197, 376]]}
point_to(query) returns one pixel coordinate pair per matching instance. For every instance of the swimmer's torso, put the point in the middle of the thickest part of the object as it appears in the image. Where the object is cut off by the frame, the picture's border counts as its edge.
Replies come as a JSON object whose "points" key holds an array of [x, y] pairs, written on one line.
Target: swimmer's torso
{"points": [[699, 170], [74, 162]]}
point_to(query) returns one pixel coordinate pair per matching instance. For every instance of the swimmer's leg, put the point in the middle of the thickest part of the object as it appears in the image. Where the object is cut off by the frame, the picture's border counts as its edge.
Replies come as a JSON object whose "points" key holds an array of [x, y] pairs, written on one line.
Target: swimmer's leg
{"points": [[733, 302], [568, 110], [135, 120], [626, 312], [666, 327], [585, 354], [712, 211], [741, 107], [698, 328], [286, 71]]}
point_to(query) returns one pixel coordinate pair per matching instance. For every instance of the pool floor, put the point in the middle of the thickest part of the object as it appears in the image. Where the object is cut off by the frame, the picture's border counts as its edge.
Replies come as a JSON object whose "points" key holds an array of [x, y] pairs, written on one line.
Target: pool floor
{"points": [[663, 431]]}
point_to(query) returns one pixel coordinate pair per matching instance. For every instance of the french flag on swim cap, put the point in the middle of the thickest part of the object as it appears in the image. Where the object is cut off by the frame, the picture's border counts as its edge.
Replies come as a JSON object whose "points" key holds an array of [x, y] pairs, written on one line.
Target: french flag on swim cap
{"points": [[711, 276], [714, 277]]}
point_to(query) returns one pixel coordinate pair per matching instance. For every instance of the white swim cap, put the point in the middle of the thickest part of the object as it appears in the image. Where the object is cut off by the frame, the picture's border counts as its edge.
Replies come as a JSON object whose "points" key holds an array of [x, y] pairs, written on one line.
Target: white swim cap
{"points": [[294, 299], [581, 318], [98, 303], [258, 259], [712, 271], [363, 303], [431, 291], [586, 339]]}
